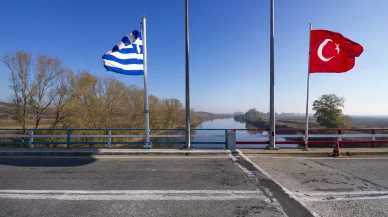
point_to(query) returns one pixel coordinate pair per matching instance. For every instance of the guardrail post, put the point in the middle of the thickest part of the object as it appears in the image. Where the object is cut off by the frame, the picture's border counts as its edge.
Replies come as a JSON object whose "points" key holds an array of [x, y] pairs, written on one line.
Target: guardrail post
{"points": [[230, 140], [110, 138], [68, 138], [31, 141], [340, 138], [373, 138]]}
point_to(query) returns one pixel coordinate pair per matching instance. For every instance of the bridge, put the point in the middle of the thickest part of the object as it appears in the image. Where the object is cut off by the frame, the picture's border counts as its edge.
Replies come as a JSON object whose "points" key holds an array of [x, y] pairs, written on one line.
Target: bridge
{"points": [[227, 182], [165, 137]]}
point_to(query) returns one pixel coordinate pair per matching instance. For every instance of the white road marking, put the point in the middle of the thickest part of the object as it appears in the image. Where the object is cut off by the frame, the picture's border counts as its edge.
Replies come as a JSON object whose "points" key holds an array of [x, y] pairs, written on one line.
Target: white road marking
{"points": [[288, 192], [328, 196], [131, 195], [244, 170], [232, 157], [128, 157]]}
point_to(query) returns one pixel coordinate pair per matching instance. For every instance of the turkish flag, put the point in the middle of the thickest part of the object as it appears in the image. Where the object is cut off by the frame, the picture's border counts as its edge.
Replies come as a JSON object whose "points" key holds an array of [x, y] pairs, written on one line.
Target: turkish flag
{"points": [[332, 52]]}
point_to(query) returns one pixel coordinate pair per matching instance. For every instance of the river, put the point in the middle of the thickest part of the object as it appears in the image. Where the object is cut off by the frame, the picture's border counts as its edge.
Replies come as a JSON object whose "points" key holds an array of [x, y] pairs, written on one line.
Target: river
{"points": [[219, 135]]}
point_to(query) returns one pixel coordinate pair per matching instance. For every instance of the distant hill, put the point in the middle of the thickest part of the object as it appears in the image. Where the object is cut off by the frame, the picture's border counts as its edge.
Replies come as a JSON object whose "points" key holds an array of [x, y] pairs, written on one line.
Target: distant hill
{"points": [[6, 110]]}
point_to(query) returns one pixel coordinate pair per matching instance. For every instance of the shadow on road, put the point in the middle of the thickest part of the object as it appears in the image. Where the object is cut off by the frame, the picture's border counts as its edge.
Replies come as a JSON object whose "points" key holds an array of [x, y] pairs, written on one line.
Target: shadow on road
{"points": [[37, 161]]}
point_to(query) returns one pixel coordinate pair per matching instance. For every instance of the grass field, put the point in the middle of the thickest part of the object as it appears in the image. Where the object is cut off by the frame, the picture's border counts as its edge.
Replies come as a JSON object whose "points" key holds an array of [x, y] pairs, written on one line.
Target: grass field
{"points": [[297, 122], [45, 123], [370, 121], [357, 121]]}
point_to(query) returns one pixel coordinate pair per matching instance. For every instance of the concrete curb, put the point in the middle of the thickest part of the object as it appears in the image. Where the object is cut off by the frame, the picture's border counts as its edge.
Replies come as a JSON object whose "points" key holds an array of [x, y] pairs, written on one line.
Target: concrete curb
{"points": [[317, 152], [95, 151], [90, 152], [277, 186]]}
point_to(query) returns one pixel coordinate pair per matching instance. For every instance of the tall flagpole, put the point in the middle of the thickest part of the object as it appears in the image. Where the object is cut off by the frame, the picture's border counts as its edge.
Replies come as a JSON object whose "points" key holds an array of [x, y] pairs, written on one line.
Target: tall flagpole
{"points": [[272, 143], [306, 138], [148, 143], [188, 142]]}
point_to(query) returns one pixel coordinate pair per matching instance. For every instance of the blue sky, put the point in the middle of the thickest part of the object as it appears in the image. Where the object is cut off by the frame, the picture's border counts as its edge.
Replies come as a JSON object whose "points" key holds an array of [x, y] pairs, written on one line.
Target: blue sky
{"points": [[229, 47]]}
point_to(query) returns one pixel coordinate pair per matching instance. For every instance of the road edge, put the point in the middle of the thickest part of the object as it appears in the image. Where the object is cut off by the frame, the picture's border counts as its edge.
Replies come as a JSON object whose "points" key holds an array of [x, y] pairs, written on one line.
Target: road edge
{"points": [[286, 191], [96, 152]]}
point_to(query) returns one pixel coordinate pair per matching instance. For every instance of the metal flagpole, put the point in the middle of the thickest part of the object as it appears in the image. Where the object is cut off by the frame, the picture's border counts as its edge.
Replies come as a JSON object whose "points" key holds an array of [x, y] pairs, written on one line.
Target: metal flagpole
{"points": [[306, 138], [188, 142], [148, 143], [272, 143]]}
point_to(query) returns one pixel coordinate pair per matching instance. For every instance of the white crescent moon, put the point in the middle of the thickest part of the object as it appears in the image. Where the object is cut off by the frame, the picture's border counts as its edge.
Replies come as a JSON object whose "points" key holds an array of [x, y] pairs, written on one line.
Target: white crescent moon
{"points": [[320, 48]]}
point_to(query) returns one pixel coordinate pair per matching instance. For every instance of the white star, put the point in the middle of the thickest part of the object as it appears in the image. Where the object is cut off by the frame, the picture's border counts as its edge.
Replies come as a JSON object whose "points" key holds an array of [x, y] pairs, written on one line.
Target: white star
{"points": [[337, 48]]}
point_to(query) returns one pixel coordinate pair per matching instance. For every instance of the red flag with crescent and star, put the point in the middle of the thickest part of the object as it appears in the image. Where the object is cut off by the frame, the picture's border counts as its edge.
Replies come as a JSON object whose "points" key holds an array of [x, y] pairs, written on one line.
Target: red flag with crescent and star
{"points": [[331, 52]]}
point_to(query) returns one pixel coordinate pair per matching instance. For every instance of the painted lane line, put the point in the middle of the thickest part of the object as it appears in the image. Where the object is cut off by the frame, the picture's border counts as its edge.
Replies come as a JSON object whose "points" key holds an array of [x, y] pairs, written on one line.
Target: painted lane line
{"points": [[134, 197], [131, 195], [128, 191], [127, 157], [234, 155]]}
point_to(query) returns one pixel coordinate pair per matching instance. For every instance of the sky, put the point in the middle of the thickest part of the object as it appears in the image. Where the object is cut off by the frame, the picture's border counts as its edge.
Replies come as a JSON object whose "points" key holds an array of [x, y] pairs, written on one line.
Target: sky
{"points": [[229, 48]]}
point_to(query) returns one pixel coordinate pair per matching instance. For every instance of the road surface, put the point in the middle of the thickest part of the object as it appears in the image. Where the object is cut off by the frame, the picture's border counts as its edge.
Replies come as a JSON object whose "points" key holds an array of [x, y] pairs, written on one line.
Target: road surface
{"points": [[348, 186], [138, 186]]}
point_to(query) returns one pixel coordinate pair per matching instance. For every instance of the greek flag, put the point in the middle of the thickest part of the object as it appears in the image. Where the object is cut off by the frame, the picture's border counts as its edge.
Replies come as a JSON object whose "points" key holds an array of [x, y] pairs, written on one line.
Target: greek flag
{"points": [[127, 56]]}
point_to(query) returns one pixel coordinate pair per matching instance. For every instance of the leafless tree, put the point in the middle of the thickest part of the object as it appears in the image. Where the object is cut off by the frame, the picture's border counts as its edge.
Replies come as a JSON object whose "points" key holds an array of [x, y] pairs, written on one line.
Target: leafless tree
{"points": [[43, 91], [20, 64], [65, 92], [43, 86]]}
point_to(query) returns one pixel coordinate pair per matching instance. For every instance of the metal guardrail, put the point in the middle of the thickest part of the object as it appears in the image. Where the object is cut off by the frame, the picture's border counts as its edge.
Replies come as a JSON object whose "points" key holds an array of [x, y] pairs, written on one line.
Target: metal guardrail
{"points": [[107, 134], [115, 136], [373, 135]]}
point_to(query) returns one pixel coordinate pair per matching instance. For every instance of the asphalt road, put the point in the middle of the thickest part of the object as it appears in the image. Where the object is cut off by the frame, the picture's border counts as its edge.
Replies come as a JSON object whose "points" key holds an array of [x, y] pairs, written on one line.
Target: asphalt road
{"points": [[138, 186], [349, 186]]}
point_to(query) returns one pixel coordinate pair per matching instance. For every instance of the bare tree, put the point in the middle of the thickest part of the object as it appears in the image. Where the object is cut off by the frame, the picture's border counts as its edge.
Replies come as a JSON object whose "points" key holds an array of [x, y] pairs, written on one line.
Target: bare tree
{"points": [[42, 86], [20, 64], [47, 71], [115, 100], [65, 93]]}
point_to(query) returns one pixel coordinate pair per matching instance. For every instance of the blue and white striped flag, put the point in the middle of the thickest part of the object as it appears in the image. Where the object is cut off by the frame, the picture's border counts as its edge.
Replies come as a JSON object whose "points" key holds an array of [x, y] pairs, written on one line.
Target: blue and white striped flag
{"points": [[127, 56]]}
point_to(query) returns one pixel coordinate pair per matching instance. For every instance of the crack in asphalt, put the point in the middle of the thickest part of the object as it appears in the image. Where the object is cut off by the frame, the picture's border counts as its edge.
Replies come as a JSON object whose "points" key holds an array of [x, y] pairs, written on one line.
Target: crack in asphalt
{"points": [[289, 205]]}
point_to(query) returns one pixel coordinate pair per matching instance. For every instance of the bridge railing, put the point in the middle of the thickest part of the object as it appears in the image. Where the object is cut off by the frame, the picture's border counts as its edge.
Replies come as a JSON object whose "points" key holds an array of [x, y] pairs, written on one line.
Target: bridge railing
{"points": [[322, 136], [107, 137], [172, 137]]}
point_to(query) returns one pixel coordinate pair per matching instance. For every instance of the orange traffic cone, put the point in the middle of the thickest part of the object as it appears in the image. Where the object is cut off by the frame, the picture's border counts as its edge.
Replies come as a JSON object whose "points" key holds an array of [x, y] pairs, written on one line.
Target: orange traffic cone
{"points": [[336, 150]]}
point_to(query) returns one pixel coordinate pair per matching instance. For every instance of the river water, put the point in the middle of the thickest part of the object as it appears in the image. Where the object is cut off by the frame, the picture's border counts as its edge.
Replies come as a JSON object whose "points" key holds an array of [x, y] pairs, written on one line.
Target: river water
{"points": [[202, 135]]}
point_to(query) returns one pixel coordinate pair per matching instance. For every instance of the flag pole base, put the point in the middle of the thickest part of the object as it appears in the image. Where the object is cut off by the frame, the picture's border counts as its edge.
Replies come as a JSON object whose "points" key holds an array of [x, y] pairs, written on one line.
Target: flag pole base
{"points": [[186, 148], [147, 145], [271, 148], [305, 149]]}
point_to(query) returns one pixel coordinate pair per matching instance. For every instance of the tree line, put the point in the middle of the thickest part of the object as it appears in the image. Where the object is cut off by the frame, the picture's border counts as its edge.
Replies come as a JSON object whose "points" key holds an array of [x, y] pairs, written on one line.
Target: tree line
{"points": [[42, 85], [252, 117], [328, 113]]}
